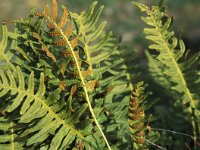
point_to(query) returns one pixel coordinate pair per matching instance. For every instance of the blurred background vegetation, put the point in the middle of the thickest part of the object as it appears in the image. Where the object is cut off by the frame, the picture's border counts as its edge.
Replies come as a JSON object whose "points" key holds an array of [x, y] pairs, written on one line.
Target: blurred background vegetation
{"points": [[124, 20]]}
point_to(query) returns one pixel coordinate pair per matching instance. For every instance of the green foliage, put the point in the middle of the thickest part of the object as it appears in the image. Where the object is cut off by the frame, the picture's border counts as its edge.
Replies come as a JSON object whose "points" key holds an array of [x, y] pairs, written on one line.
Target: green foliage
{"points": [[66, 83], [67, 76], [171, 51], [179, 71]]}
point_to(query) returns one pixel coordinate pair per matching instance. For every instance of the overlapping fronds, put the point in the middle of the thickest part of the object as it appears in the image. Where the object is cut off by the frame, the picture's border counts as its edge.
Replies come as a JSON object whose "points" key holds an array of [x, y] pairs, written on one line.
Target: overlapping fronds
{"points": [[156, 70], [95, 69], [71, 89], [9, 48], [69, 41], [102, 52], [181, 72]]}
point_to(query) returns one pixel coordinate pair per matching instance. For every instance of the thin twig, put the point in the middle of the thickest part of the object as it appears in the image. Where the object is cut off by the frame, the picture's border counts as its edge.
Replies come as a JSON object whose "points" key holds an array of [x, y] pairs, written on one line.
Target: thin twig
{"points": [[175, 132], [158, 146]]}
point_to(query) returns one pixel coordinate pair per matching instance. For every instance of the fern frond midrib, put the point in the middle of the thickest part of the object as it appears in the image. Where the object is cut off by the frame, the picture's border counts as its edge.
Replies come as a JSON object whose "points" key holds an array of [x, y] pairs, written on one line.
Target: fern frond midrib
{"points": [[25, 92], [81, 78]]}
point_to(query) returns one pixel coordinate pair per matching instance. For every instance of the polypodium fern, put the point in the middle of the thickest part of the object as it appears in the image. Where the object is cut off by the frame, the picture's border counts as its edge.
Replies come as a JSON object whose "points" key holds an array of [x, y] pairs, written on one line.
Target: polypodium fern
{"points": [[72, 83], [70, 89], [96, 42], [171, 54], [34, 105], [103, 51]]}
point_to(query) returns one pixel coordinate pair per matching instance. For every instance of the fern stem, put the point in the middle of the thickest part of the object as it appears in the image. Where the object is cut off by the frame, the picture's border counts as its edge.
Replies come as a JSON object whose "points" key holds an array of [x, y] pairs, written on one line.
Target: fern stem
{"points": [[179, 73], [83, 82]]}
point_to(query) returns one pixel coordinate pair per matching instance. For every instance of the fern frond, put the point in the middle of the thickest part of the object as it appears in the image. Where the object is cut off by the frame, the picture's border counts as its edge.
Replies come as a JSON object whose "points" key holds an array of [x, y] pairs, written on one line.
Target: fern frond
{"points": [[171, 55], [85, 91], [93, 37], [137, 117], [137, 120], [40, 110], [103, 57]]}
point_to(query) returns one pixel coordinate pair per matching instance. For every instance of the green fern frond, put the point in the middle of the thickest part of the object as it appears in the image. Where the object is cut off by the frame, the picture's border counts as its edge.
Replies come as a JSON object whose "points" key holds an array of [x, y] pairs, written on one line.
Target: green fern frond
{"points": [[171, 54], [102, 52], [40, 111], [97, 44], [69, 41], [103, 57], [9, 48]]}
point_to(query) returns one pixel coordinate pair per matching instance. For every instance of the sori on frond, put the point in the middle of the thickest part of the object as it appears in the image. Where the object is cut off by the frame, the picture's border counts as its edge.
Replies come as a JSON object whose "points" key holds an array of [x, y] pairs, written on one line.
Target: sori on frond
{"points": [[139, 122]]}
